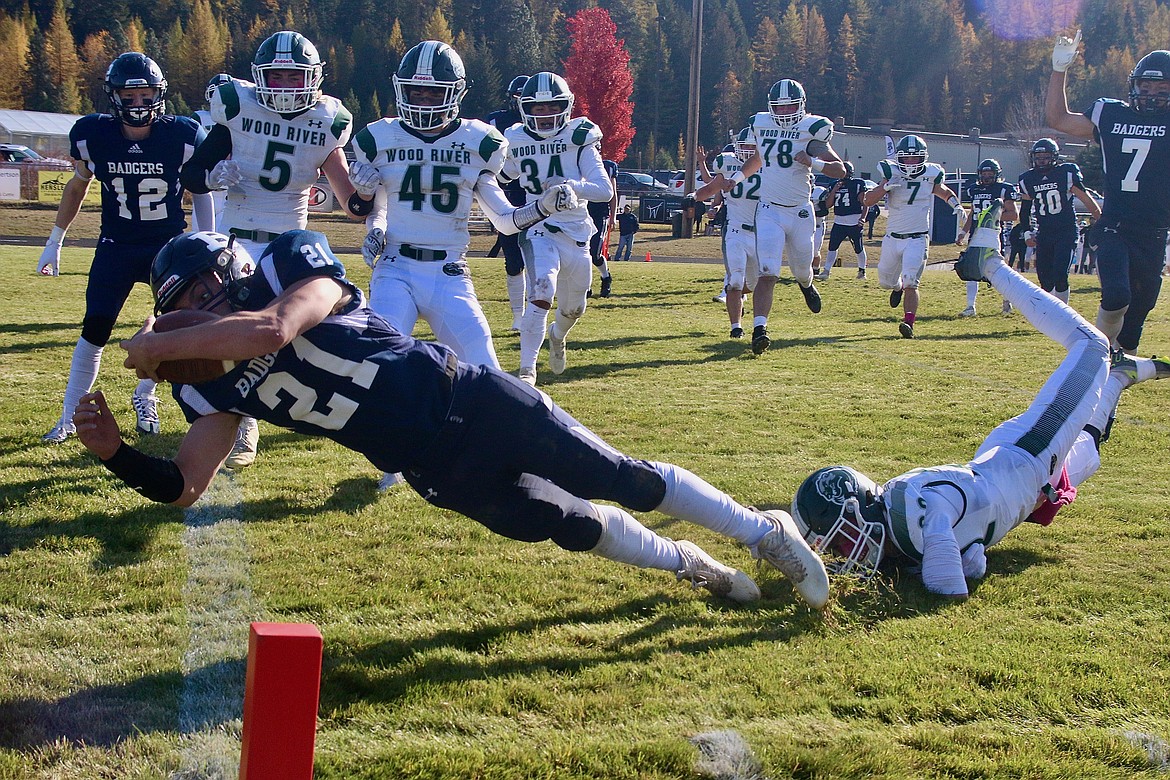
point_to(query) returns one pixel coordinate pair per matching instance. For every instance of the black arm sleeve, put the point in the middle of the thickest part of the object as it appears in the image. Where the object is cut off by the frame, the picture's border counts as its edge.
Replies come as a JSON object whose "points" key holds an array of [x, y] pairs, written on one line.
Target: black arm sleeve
{"points": [[158, 479], [1026, 213], [215, 147]]}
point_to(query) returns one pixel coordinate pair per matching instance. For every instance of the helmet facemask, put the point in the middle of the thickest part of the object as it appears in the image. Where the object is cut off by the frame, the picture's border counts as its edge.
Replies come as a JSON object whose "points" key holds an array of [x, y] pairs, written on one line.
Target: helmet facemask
{"points": [[745, 145], [1155, 99], [189, 258], [288, 99], [545, 125], [841, 514], [852, 545], [433, 114]]}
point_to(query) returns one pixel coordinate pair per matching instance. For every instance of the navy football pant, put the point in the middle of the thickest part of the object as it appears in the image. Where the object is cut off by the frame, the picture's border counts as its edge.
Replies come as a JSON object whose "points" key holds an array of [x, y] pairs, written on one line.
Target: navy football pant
{"points": [[1054, 252], [1129, 264], [115, 270]]}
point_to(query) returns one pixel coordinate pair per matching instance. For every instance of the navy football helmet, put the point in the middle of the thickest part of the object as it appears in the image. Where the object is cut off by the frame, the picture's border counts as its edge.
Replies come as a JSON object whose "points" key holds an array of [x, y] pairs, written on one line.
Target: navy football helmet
{"points": [[840, 512], [989, 171], [132, 70], [1155, 66], [514, 89], [1045, 153], [188, 255]]}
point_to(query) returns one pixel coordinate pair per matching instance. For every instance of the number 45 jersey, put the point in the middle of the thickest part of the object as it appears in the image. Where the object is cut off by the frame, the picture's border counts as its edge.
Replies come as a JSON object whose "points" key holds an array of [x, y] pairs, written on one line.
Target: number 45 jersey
{"points": [[280, 156], [430, 180], [142, 199]]}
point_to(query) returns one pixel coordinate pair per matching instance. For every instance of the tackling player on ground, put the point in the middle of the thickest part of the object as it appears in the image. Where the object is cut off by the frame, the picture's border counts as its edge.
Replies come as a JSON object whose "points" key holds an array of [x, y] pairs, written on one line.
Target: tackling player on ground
{"points": [[944, 517]]}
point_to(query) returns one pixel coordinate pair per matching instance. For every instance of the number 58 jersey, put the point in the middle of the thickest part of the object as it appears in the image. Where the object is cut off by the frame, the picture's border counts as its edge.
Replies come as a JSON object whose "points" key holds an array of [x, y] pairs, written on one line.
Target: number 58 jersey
{"points": [[280, 156], [430, 180]]}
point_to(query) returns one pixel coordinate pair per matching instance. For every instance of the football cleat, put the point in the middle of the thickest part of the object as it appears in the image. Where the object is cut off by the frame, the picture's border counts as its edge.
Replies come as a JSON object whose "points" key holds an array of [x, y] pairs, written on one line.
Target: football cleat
{"points": [[822, 274], [895, 298], [61, 431], [760, 340], [906, 329], [247, 440], [703, 571], [389, 480], [812, 298], [527, 376], [860, 273], [556, 353], [785, 549], [1131, 370], [606, 285], [1007, 307], [720, 298], [146, 410], [968, 312], [737, 333]]}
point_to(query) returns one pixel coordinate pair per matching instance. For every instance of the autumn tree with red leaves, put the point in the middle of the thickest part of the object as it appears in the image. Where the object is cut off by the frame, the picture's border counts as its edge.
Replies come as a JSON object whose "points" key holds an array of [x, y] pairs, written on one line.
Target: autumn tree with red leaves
{"points": [[598, 72]]}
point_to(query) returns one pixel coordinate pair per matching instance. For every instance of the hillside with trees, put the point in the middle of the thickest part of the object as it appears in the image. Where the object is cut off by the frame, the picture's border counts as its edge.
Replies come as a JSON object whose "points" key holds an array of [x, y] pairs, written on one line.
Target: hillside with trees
{"points": [[943, 65]]}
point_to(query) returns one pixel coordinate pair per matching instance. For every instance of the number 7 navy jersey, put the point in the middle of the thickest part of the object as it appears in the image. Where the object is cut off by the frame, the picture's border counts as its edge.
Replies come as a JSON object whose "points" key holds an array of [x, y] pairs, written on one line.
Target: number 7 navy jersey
{"points": [[1136, 152], [142, 199], [352, 378]]}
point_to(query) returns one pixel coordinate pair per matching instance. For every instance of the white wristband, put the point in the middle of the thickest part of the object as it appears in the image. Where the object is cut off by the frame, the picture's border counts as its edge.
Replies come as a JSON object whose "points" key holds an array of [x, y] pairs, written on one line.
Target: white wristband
{"points": [[56, 236], [737, 177], [817, 164]]}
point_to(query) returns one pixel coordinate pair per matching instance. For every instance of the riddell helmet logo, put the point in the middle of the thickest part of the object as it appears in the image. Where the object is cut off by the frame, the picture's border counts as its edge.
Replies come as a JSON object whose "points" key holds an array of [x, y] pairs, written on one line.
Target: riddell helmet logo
{"points": [[165, 287]]}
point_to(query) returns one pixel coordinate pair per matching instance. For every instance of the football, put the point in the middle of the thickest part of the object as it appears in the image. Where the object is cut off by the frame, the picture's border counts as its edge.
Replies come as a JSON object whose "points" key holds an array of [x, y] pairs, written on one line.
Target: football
{"points": [[190, 371]]}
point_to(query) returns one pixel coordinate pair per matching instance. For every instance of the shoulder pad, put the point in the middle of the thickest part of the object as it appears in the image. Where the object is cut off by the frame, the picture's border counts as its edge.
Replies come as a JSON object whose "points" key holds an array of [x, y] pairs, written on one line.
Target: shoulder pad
{"points": [[341, 120], [493, 142], [364, 143], [227, 99], [585, 133], [821, 129], [887, 171]]}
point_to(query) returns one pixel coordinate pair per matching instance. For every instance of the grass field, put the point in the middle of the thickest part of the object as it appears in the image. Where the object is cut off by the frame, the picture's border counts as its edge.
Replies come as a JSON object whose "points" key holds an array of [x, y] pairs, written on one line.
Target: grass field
{"points": [[452, 653]]}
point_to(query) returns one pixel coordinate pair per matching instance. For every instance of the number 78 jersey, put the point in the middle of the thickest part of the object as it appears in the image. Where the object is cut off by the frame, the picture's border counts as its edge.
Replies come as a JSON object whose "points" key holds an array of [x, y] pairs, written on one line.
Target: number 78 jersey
{"points": [[784, 181], [430, 180]]}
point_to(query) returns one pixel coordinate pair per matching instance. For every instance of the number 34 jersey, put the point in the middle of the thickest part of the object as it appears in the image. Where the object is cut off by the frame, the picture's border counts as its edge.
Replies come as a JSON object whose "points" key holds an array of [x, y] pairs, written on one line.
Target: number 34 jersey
{"points": [[280, 156], [142, 199], [430, 180]]}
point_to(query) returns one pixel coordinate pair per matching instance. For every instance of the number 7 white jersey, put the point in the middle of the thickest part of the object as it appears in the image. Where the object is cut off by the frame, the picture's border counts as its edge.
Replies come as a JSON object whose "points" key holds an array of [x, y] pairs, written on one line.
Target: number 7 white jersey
{"points": [[784, 181], [280, 156], [910, 204], [430, 180]]}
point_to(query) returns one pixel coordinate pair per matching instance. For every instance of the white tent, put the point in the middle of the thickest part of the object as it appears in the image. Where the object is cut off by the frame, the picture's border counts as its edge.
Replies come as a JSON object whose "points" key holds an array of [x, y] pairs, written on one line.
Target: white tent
{"points": [[44, 132]]}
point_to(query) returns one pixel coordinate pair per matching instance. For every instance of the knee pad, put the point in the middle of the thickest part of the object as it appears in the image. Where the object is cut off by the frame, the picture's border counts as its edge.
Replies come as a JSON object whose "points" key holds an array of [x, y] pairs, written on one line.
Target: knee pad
{"points": [[638, 486], [97, 330], [598, 260]]}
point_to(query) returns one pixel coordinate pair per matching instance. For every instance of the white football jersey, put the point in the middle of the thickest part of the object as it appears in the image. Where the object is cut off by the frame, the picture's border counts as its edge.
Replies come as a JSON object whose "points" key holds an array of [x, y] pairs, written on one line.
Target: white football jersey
{"points": [[573, 154], [986, 517], [784, 181], [910, 205], [430, 180], [204, 119], [280, 157], [741, 199]]}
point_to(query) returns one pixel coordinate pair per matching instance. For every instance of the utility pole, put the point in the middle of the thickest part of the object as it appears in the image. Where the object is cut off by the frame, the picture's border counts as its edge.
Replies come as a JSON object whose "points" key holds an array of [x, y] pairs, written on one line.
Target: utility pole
{"points": [[693, 106]]}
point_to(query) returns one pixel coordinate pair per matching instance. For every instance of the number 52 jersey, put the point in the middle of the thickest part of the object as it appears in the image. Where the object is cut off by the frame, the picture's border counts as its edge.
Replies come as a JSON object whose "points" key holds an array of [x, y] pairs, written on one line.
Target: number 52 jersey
{"points": [[280, 156], [430, 180]]}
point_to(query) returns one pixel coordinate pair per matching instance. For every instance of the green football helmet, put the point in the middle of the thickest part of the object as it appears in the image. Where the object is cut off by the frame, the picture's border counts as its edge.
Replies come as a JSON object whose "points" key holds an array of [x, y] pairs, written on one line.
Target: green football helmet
{"points": [[786, 103], [430, 65], [910, 154], [745, 145], [546, 87], [840, 512], [288, 50]]}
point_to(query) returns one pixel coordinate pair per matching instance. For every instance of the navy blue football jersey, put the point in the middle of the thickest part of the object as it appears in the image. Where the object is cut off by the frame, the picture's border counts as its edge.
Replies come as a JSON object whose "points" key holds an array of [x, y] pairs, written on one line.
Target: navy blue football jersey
{"points": [[142, 200], [1051, 194], [352, 378], [981, 195], [1136, 152], [847, 201]]}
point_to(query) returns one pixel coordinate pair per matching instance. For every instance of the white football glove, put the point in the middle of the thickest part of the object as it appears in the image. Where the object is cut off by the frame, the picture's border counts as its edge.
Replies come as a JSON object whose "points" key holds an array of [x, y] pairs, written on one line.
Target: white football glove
{"points": [[559, 198], [226, 173], [373, 245], [892, 184], [364, 177], [1064, 52], [50, 262], [960, 212]]}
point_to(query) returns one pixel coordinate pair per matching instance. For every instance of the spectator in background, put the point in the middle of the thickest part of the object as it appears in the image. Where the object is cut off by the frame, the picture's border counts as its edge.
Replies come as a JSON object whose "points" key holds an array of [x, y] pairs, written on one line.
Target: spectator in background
{"points": [[871, 218], [628, 225]]}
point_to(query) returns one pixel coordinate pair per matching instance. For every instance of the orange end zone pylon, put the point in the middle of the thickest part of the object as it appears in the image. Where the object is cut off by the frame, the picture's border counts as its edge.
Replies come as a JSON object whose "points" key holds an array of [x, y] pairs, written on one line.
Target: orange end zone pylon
{"points": [[281, 693]]}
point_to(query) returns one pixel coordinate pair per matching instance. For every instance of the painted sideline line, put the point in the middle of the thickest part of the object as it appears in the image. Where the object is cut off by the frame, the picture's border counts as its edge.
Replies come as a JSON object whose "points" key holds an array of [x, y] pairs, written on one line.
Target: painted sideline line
{"points": [[220, 606]]}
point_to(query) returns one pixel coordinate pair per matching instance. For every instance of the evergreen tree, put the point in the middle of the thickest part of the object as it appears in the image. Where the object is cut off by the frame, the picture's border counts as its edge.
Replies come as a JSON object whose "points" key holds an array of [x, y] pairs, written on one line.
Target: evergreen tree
{"points": [[58, 90], [97, 52], [199, 55], [14, 42], [514, 38], [437, 29]]}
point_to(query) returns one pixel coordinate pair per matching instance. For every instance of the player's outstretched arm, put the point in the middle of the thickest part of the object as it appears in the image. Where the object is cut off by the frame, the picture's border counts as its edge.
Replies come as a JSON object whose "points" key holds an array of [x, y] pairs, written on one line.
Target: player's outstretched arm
{"points": [[1056, 101], [49, 263]]}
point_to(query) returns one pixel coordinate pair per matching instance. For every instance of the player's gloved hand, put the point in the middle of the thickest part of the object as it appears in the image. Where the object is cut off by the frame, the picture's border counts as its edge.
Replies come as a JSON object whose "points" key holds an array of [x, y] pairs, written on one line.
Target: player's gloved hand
{"points": [[960, 212], [559, 198], [1064, 52], [892, 184], [373, 245], [226, 173], [50, 261], [364, 178]]}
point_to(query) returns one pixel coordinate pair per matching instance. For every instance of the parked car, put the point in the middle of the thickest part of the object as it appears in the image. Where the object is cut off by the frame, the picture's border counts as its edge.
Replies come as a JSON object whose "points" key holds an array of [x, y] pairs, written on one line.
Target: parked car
{"points": [[18, 153], [676, 183], [632, 183]]}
